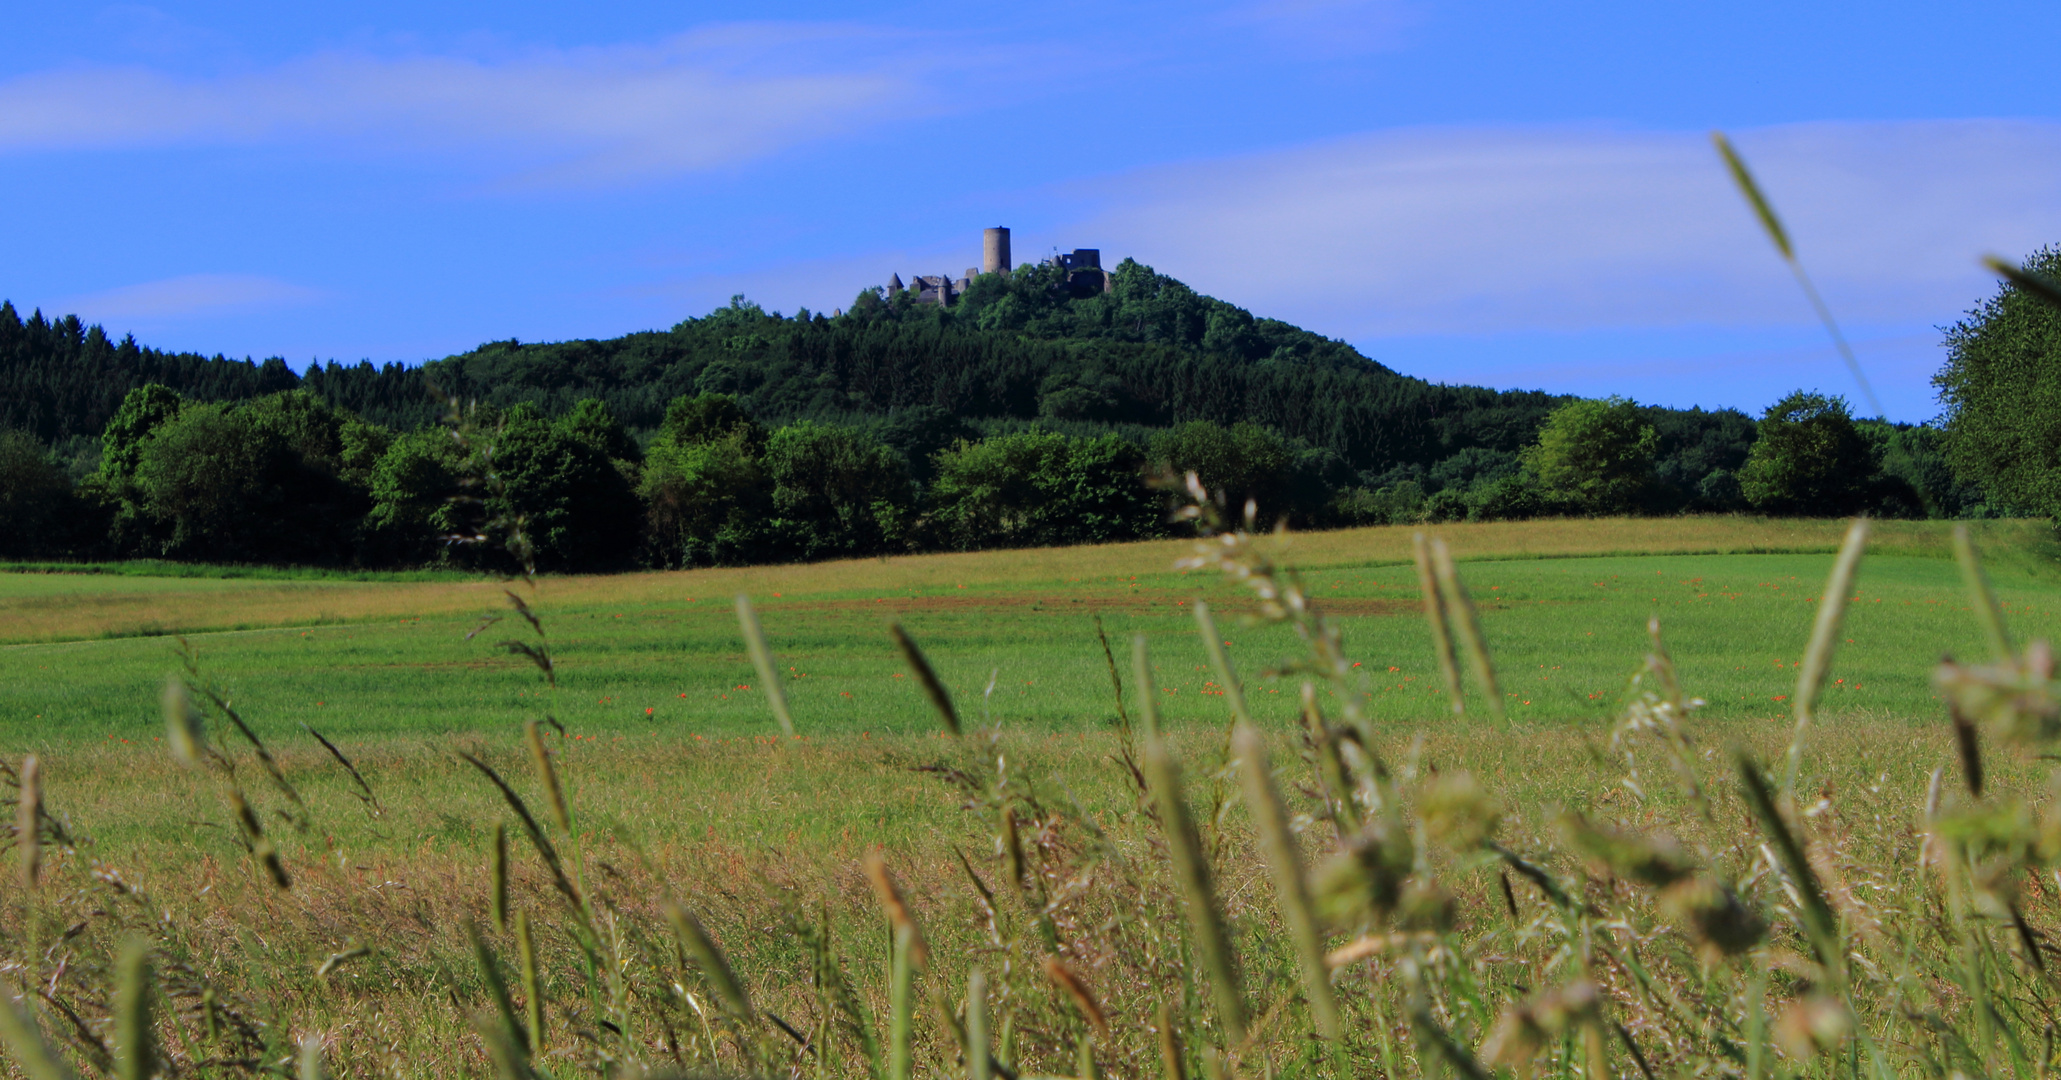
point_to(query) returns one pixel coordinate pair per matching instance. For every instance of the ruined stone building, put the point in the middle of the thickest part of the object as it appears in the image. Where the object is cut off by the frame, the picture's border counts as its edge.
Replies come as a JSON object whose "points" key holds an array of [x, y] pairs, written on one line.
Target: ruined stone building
{"points": [[1083, 268]]}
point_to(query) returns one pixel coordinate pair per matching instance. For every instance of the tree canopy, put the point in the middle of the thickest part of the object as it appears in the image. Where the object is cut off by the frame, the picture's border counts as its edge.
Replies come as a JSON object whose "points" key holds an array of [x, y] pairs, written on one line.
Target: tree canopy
{"points": [[2001, 388]]}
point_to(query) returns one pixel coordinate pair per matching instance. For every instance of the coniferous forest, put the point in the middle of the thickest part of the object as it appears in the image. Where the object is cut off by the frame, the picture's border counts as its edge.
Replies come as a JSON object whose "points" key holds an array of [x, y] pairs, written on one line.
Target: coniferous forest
{"points": [[1023, 414]]}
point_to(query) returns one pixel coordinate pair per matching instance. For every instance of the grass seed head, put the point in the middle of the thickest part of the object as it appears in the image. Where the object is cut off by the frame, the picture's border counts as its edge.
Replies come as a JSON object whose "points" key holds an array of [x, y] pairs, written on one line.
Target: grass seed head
{"points": [[1813, 1024], [1719, 922], [1458, 811], [1648, 860], [2013, 699], [898, 914], [1364, 880], [1524, 1030]]}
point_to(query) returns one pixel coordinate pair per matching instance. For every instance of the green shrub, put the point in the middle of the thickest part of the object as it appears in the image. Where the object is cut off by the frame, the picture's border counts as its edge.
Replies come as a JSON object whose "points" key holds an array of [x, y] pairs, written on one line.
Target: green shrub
{"points": [[835, 492], [1037, 488], [1808, 458], [1592, 456]]}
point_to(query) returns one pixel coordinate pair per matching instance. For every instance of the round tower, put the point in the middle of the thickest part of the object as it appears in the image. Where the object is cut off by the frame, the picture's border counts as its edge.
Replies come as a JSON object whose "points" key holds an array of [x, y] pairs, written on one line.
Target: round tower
{"points": [[994, 251]]}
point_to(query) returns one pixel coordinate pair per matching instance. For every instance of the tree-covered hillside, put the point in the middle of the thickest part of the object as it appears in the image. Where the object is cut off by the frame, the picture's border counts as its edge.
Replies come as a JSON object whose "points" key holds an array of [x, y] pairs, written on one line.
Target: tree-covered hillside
{"points": [[1014, 349], [1022, 413]]}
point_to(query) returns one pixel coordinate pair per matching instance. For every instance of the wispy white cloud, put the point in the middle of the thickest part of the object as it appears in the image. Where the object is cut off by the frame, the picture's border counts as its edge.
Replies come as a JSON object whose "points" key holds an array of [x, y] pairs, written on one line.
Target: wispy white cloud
{"points": [[1495, 230], [1322, 28], [188, 296], [694, 102], [144, 30]]}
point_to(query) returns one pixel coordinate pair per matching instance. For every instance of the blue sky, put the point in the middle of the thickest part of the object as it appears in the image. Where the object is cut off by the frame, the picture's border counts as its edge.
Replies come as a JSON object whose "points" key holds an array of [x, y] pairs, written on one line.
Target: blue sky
{"points": [[1518, 195]]}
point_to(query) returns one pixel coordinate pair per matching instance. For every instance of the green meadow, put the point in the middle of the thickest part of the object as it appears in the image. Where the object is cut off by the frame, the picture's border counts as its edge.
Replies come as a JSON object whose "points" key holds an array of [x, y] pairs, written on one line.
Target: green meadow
{"points": [[1030, 838], [1014, 637]]}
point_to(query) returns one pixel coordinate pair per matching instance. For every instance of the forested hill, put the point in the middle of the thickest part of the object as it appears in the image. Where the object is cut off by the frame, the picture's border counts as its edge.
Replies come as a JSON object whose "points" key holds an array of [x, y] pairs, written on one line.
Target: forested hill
{"points": [[1150, 353], [61, 379]]}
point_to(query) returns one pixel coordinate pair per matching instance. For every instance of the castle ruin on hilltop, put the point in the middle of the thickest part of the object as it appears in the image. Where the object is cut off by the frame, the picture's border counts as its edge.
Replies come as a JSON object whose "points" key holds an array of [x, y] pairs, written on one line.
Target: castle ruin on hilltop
{"points": [[1083, 268]]}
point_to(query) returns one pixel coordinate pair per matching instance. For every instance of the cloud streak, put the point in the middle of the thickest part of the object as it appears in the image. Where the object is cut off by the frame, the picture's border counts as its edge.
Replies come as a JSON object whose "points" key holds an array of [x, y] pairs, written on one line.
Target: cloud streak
{"points": [[189, 296], [694, 102], [1495, 230]]}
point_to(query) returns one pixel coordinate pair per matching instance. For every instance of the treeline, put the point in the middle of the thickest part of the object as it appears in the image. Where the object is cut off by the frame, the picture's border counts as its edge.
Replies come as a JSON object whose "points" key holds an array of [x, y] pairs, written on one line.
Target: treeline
{"points": [[292, 479], [1020, 415], [1014, 348]]}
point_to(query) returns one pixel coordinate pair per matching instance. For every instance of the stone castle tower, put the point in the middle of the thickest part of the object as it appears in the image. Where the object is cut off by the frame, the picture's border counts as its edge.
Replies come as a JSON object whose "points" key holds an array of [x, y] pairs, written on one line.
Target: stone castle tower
{"points": [[1083, 269]]}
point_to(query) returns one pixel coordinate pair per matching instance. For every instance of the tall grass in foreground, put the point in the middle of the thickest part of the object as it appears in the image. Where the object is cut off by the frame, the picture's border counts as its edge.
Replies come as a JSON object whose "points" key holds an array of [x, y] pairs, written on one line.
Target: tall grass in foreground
{"points": [[1323, 901]]}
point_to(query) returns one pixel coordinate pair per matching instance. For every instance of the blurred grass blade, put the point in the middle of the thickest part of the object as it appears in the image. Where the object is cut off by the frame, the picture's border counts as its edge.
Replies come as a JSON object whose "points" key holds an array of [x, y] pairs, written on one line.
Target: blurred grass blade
{"points": [[1461, 614], [336, 960], [1970, 748], [1270, 820], [135, 1057], [554, 794], [1331, 766], [185, 730], [497, 988], [1172, 1065], [1234, 694], [1824, 643], [545, 849], [1083, 999], [901, 1000], [503, 1051], [693, 937], [1212, 939], [1763, 209], [28, 820], [1442, 1045], [926, 677], [2043, 287], [1116, 681], [532, 984], [891, 901], [24, 1042], [977, 1025], [762, 659], [500, 902], [1743, 178], [1441, 632], [261, 847], [310, 1065], [1981, 598], [364, 791], [1819, 925]]}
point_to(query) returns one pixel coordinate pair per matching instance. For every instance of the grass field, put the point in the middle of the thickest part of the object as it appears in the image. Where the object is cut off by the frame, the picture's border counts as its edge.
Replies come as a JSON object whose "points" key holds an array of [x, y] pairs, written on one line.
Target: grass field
{"points": [[678, 789], [1565, 604]]}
